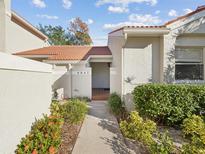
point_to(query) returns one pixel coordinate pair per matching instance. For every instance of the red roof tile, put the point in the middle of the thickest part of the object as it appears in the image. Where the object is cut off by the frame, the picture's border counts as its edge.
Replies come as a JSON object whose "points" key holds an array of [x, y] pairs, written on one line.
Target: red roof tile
{"points": [[68, 52]]}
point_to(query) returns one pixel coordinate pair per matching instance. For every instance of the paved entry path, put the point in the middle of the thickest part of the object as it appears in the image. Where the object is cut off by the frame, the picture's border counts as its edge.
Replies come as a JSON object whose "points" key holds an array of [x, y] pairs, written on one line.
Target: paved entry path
{"points": [[100, 133]]}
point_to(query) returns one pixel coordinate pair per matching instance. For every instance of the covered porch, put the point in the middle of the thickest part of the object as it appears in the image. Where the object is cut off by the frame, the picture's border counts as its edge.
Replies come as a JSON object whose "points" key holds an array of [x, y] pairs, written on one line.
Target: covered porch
{"points": [[100, 77]]}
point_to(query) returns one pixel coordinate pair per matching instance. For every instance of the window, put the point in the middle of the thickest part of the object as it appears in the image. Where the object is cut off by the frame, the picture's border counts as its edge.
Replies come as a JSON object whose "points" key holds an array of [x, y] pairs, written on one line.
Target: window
{"points": [[189, 64]]}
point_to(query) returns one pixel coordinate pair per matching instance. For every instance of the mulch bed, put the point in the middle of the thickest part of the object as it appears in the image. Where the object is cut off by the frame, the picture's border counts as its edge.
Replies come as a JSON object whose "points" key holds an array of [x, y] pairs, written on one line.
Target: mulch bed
{"points": [[69, 137]]}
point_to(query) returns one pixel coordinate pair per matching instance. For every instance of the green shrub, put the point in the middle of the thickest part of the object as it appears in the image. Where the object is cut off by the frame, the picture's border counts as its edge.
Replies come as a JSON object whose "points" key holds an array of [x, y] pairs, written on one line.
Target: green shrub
{"points": [[45, 134], [163, 145], [194, 129], [116, 104], [138, 129], [55, 109], [73, 111], [44, 137], [142, 130], [169, 104]]}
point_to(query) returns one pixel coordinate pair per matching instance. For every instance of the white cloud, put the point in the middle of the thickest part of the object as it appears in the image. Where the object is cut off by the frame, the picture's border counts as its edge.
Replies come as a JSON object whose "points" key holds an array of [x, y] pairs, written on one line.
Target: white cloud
{"points": [[39, 3], [67, 4], [172, 13], [47, 16], [136, 20], [90, 21], [186, 11], [157, 12], [125, 2], [146, 19], [118, 9]]}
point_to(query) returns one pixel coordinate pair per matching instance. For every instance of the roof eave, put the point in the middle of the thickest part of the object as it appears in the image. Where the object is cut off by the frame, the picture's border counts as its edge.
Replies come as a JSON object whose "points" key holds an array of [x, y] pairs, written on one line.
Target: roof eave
{"points": [[26, 25], [146, 31]]}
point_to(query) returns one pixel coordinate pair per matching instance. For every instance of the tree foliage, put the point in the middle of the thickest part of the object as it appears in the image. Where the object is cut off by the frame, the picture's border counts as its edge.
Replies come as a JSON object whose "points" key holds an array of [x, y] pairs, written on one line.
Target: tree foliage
{"points": [[77, 33], [80, 32]]}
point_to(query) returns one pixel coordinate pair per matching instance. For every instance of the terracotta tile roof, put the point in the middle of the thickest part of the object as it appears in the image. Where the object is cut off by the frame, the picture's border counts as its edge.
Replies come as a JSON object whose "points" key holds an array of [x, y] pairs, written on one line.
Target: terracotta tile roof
{"points": [[67, 52], [199, 9]]}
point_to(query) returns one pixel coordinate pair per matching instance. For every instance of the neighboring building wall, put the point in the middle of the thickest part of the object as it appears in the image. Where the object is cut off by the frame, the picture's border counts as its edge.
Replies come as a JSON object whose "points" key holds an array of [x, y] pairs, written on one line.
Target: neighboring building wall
{"points": [[18, 39], [25, 94], [100, 75], [4, 18], [15, 38]]}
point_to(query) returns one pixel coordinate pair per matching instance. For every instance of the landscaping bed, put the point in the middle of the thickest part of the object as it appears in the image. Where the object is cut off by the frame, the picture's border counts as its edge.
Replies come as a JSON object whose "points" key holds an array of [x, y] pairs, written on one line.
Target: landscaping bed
{"points": [[57, 132], [69, 136], [168, 119]]}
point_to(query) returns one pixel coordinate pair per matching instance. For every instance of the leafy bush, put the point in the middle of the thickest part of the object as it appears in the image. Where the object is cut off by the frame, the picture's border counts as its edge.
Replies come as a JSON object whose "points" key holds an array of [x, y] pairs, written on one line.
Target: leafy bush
{"points": [[138, 129], [163, 145], [169, 104], [55, 109], [45, 134], [44, 137], [194, 128], [73, 111], [116, 104]]}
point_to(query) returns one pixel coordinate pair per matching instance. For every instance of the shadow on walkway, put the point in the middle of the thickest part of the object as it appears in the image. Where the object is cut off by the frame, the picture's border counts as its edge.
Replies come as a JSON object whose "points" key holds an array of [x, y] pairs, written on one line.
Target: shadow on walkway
{"points": [[100, 132]]}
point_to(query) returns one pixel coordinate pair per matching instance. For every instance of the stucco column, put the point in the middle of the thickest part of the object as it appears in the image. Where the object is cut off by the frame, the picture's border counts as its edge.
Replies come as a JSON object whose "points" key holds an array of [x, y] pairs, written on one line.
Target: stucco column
{"points": [[69, 77], [169, 57], [161, 79]]}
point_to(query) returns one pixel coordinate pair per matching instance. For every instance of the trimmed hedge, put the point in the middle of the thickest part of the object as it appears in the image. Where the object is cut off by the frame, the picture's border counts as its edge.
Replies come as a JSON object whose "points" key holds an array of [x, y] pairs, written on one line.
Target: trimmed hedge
{"points": [[169, 104]]}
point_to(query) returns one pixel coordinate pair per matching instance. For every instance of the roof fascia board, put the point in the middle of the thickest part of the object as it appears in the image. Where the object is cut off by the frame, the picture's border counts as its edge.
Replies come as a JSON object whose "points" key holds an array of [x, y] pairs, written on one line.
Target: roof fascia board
{"points": [[146, 31], [61, 61], [26, 25]]}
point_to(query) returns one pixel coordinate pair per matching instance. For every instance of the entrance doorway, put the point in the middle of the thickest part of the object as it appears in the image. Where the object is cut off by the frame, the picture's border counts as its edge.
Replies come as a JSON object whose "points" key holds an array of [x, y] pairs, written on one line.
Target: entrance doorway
{"points": [[100, 80]]}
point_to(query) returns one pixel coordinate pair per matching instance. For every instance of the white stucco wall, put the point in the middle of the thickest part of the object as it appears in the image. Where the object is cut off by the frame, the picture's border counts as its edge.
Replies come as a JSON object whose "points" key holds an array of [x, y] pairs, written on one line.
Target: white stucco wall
{"points": [[25, 94], [18, 39], [61, 77], [100, 75], [75, 81], [116, 42], [81, 81]]}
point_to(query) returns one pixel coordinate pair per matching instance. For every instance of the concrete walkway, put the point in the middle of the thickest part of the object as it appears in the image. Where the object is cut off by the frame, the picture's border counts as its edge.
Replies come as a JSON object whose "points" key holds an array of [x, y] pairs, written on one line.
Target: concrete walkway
{"points": [[100, 133]]}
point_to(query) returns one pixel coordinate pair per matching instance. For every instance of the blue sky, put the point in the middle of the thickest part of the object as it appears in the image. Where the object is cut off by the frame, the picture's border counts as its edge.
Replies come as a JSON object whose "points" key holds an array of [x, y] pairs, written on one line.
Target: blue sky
{"points": [[103, 16]]}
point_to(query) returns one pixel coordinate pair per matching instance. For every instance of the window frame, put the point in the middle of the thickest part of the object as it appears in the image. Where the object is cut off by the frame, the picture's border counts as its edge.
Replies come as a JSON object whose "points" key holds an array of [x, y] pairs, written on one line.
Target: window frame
{"points": [[190, 62]]}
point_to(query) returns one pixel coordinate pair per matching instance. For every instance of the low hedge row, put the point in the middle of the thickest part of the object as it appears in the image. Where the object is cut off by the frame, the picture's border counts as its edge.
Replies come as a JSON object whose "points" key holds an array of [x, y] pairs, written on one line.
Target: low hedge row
{"points": [[169, 104], [45, 134]]}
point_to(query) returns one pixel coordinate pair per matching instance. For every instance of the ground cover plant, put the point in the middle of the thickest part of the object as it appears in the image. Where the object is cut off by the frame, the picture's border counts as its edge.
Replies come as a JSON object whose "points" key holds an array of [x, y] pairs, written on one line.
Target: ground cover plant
{"points": [[48, 134], [177, 108]]}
